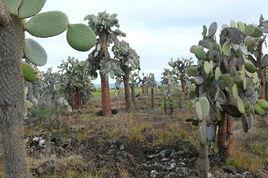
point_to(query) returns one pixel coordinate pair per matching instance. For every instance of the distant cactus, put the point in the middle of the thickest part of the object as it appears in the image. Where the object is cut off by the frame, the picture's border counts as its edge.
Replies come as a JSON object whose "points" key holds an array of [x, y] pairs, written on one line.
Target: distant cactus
{"points": [[129, 61], [134, 82], [75, 82], [99, 59], [169, 82], [13, 48], [227, 83], [151, 83], [179, 68]]}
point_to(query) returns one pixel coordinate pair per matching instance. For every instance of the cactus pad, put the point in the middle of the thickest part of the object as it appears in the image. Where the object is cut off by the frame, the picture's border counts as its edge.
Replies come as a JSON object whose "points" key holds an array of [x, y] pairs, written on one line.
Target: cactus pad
{"points": [[81, 37], [34, 52], [30, 8], [29, 73], [13, 5], [47, 24]]}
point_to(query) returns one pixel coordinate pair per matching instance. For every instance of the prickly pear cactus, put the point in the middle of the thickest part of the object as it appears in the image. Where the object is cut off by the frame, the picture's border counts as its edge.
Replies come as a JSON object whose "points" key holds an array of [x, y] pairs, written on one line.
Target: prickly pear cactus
{"points": [[99, 59], [227, 71], [14, 47], [74, 77], [179, 70], [45, 25], [127, 57]]}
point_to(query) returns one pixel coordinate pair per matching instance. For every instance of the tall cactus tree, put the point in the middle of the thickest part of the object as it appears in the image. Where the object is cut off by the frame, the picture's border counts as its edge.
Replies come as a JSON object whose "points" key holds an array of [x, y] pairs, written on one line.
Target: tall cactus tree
{"points": [[14, 47], [169, 82], [99, 59], [151, 83], [128, 61], [227, 84], [75, 82], [179, 67], [134, 82], [255, 47]]}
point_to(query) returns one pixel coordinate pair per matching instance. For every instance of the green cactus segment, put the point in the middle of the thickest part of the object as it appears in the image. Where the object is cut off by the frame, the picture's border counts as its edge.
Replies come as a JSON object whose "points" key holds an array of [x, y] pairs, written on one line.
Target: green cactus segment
{"points": [[199, 52], [226, 48], [29, 73], [30, 8], [263, 103], [227, 80], [81, 37], [202, 108], [47, 24], [250, 67], [240, 105], [13, 6], [253, 31], [35, 53], [258, 110]]}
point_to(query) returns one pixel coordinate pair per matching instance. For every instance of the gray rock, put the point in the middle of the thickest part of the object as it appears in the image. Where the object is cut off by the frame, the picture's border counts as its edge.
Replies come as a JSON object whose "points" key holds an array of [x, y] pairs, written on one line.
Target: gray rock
{"points": [[153, 173]]}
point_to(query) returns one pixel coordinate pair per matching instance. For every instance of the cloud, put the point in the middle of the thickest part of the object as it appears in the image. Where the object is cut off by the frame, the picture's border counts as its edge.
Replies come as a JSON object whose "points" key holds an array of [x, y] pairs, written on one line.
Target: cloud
{"points": [[158, 29]]}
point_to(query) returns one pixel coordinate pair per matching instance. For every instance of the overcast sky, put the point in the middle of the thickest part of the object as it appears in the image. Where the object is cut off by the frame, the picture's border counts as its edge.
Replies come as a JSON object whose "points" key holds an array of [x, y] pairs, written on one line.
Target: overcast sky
{"points": [[156, 29]]}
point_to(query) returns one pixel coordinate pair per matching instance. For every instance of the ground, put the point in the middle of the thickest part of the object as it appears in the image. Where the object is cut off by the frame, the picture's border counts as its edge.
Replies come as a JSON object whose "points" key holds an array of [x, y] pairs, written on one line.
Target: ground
{"points": [[142, 143]]}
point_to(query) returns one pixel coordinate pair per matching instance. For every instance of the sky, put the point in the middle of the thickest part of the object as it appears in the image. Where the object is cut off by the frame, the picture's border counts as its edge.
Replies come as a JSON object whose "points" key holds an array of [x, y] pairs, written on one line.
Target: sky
{"points": [[157, 29]]}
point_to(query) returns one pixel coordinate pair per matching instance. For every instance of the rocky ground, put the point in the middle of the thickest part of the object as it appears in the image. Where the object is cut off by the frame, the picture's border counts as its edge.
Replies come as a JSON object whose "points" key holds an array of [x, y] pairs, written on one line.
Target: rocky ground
{"points": [[144, 143]]}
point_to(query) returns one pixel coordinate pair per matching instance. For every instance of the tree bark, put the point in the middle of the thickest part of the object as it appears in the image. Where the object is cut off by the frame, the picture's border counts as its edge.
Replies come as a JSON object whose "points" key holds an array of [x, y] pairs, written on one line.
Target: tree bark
{"points": [[152, 97], [133, 95], [74, 101], [225, 141], [127, 91], [105, 96], [262, 76], [11, 96], [165, 104]]}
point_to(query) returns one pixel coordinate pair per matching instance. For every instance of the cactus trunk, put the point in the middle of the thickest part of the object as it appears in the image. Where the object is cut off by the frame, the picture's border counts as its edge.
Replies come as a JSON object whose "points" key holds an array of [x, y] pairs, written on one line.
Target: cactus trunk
{"points": [[203, 154], [133, 96], [127, 91], [152, 97], [11, 96], [105, 96], [225, 141], [262, 76]]}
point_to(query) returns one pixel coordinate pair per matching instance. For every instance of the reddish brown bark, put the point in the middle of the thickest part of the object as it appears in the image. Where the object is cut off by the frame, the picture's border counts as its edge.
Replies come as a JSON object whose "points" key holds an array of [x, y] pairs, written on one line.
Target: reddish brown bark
{"points": [[262, 76], [73, 101], [105, 97], [127, 92], [133, 95], [225, 140]]}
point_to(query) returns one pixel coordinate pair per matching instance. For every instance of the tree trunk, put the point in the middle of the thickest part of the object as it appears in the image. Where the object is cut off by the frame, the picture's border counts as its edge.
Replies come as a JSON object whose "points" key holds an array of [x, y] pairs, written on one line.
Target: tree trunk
{"points": [[165, 104], [79, 100], [105, 97], [262, 76], [127, 91], [203, 153], [74, 101], [152, 97], [224, 137], [133, 95], [11, 96]]}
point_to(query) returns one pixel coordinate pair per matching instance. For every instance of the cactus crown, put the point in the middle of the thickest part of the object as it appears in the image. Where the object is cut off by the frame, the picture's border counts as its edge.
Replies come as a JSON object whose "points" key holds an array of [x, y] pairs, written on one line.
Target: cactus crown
{"points": [[128, 58], [48, 24], [226, 74]]}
